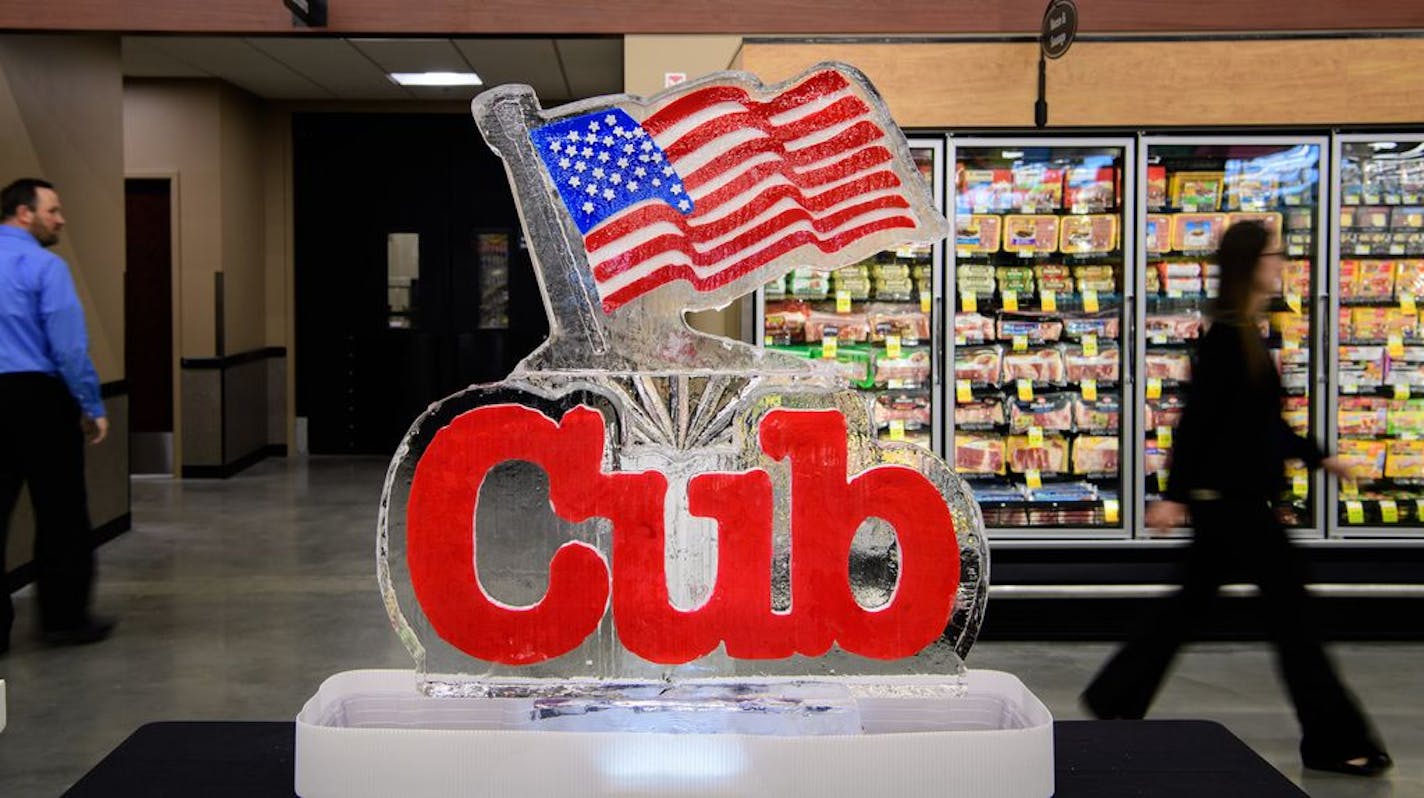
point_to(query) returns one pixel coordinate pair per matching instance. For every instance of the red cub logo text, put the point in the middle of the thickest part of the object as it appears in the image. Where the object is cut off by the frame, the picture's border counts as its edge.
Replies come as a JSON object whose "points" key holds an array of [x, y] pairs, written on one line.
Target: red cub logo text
{"points": [[826, 510]]}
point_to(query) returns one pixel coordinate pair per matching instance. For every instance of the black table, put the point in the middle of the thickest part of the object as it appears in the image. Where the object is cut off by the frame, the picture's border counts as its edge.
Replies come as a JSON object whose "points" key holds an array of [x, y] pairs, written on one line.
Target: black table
{"points": [[1095, 759]]}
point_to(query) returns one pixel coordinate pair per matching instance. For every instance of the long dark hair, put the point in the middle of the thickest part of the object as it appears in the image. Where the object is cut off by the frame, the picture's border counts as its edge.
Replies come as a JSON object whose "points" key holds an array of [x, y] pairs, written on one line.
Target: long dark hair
{"points": [[1241, 249]]}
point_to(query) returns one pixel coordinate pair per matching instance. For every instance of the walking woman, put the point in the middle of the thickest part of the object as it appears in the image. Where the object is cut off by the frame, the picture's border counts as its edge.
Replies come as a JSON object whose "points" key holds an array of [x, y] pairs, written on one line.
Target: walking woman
{"points": [[1228, 464]]}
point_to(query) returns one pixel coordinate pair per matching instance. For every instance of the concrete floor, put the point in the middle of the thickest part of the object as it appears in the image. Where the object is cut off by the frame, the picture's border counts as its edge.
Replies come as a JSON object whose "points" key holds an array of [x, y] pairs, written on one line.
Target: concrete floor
{"points": [[238, 597]]}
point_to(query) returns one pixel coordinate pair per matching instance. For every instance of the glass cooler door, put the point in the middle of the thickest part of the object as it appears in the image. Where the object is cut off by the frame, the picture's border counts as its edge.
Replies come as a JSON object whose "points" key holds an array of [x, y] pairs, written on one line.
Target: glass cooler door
{"points": [[1038, 290], [876, 319], [1192, 190], [1378, 273]]}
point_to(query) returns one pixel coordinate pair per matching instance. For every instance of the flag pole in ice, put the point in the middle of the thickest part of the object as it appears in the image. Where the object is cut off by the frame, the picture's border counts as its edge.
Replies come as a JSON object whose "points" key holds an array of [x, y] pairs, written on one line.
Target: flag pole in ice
{"points": [[695, 197]]}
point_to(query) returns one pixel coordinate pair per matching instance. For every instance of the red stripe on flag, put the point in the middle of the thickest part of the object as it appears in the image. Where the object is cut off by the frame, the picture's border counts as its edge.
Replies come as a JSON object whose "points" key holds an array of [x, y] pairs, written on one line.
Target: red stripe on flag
{"points": [[814, 87], [841, 111]]}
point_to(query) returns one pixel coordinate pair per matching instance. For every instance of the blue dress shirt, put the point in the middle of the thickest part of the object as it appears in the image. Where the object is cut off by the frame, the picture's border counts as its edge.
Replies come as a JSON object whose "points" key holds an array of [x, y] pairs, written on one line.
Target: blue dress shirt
{"points": [[41, 320]]}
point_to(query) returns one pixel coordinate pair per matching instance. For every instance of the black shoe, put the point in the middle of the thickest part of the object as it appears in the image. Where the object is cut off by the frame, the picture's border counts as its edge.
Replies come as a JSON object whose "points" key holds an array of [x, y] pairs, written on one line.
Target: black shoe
{"points": [[1375, 763], [95, 629]]}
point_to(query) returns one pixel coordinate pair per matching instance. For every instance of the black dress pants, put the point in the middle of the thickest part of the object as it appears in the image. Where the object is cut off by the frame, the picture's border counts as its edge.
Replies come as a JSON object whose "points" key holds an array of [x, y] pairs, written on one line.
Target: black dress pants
{"points": [[42, 446], [1240, 540]]}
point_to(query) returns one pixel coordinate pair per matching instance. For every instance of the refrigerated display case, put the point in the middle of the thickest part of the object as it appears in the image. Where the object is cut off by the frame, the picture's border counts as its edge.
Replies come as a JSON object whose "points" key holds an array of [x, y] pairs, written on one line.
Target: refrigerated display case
{"points": [[1193, 189], [1039, 291], [1377, 408], [876, 319]]}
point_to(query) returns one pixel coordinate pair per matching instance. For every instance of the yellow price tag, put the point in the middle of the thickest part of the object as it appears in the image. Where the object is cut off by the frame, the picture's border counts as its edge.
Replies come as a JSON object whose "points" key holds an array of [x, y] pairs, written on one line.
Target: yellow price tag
{"points": [[897, 429], [925, 300], [828, 347], [967, 302], [1163, 477], [1401, 391], [1293, 302], [1025, 388], [843, 301], [1035, 437], [1090, 345], [1048, 300], [1300, 484], [1154, 388], [1164, 437], [963, 392], [1111, 511], [1355, 512], [1034, 479], [1389, 511], [1090, 301], [1011, 301], [892, 346], [1419, 509], [1020, 343], [1090, 390], [1395, 345], [960, 340], [1406, 303]]}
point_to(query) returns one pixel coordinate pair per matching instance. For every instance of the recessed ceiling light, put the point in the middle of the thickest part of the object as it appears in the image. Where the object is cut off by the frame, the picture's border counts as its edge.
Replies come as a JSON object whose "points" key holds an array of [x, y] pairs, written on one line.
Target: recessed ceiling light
{"points": [[436, 78]]}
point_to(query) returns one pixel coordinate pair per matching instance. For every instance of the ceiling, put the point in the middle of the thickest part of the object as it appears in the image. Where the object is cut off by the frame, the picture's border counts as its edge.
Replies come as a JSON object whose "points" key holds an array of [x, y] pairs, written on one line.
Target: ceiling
{"points": [[322, 68]]}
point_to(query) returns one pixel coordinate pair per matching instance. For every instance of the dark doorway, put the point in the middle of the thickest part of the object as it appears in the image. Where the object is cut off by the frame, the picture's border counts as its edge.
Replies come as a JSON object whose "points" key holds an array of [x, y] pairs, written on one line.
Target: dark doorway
{"points": [[148, 323], [402, 222]]}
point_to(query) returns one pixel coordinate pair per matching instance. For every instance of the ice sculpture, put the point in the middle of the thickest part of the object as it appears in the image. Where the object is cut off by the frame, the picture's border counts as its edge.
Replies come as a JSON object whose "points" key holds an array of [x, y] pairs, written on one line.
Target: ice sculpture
{"points": [[640, 503]]}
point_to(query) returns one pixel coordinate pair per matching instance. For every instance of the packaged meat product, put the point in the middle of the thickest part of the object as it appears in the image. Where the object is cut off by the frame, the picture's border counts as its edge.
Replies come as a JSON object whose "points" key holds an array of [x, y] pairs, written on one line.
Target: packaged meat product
{"points": [[1407, 368], [1104, 325], [785, 321], [1102, 415], [978, 454], [1296, 413], [1103, 367], [1379, 323], [847, 327], [1365, 458], [1376, 279], [889, 271], [1183, 285], [1250, 186], [1184, 325], [980, 365], [1165, 411], [1036, 327], [1096, 278], [1176, 366], [1030, 234], [1063, 493], [894, 288], [1197, 232], [1154, 281], [1371, 216], [1409, 277], [1092, 233], [1300, 218], [978, 232], [919, 436], [905, 321], [913, 411], [1406, 217], [1361, 366], [1040, 365], [807, 283], [1291, 326], [1350, 278], [1049, 458], [775, 288], [912, 369], [1156, 187], [1179, 268], [1197, 191], [1345, 325], [980, 413], [973, 328], [1095, 455], [854, 280], [1363, 415], [1051, 411], [1038, 188], [1269, 220], [1156, 460], [1090, 189], [990, 494], [1015, 278], [1159, 233], [1403, 460], [1054, 277], [1404, 418], [976, 278]]}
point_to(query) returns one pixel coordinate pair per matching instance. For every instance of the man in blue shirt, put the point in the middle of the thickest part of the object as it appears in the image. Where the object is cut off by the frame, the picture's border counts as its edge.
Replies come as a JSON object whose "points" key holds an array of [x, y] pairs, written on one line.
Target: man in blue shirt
{"points": [[49, 403]]}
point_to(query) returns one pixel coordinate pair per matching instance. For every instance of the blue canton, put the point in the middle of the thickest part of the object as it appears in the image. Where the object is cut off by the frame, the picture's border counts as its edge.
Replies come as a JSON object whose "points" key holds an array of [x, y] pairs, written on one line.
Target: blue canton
{"points": [[605, 162]]}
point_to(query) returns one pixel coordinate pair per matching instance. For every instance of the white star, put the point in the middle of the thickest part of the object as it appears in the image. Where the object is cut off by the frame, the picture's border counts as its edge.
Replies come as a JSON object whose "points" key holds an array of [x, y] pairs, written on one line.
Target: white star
{"points": [[617, 130], [615, 179], [639, 133], [580, 166], [591, 190], [640, 171], [628, 149], [588, 207], [643, 157], [632, 185], [684, 204], [657, 157], [593, 127], [676, 189], [598, 172], [610, 119], [608, 193], [556, 145], [587, 152], [573, 135], [667, 171], [645, 146], [603, 157], [574, 181], [608, 140], [564, 163], [657, 182], [622, 163]]}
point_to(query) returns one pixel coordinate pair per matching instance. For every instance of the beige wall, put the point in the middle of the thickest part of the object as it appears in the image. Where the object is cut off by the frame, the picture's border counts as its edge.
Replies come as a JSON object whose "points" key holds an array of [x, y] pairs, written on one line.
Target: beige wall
{"points": [[244, 220], [61, 101], [646, 61]]}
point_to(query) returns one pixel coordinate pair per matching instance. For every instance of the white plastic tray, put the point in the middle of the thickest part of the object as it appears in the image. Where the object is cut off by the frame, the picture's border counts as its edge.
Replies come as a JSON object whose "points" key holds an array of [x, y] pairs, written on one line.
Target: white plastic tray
{"points": [[371, 733]]}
